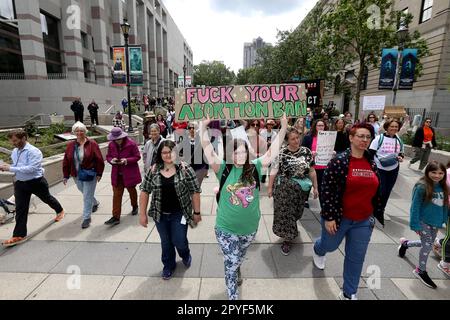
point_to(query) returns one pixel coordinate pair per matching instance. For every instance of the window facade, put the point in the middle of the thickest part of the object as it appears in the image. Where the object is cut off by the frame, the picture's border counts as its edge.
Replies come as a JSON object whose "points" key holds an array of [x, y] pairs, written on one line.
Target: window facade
{"points": [[427, 10], [10, 51], [84, 40], [7, 10], [50, 35]]}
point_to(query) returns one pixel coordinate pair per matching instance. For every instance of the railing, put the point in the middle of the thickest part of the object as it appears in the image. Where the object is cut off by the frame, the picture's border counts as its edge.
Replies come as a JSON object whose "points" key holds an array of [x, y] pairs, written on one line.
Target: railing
{"points": [[12, 76], [21, 76], [56, 76], [433, 115]]}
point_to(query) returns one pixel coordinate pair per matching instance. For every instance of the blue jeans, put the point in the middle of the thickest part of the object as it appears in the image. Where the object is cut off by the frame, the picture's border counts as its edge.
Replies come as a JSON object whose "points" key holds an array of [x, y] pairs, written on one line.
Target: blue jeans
{"points": [[173, 235], [87, 188], [357, 237]]}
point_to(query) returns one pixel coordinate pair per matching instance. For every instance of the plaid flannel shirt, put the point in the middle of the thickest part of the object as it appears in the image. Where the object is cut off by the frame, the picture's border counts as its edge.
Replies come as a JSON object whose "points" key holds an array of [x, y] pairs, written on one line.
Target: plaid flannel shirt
{"points": [[186, 185]]}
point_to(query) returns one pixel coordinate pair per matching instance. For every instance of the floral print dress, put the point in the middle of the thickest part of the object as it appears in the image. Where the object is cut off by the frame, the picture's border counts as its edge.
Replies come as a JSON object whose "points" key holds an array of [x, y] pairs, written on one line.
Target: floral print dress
{"points": [[289, 198]]}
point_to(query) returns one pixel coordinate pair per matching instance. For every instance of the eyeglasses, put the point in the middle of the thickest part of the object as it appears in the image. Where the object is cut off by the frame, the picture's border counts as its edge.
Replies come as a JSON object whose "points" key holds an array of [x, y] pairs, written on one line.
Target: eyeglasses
{"points": [[363, 137], [427, 121]]}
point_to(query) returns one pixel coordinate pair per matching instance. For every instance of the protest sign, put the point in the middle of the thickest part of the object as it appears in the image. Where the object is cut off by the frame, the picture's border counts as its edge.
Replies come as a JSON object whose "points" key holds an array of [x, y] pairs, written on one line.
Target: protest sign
{"points": [[373, 103], [241, 102], [325, 147], [240, 133]]}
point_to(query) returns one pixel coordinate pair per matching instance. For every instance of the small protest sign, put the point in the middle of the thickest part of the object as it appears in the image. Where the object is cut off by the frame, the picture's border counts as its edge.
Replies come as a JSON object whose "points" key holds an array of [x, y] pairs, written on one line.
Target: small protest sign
{"points": [[325, 147]]}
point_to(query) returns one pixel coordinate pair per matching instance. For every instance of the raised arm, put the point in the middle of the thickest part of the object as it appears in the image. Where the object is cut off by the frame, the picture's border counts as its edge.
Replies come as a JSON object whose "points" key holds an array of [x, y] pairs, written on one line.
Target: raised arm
{"points": [[208, 149], [272, 153]]}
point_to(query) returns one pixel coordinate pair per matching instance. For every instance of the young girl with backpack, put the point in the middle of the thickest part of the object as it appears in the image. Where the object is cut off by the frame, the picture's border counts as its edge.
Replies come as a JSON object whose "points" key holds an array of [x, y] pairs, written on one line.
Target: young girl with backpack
{"points": [[429, 211], [238, 210]]}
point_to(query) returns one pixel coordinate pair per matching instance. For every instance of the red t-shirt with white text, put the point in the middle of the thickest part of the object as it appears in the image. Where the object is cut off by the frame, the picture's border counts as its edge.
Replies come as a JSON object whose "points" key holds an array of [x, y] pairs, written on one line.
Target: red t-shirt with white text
{"points": [[362, 185]]}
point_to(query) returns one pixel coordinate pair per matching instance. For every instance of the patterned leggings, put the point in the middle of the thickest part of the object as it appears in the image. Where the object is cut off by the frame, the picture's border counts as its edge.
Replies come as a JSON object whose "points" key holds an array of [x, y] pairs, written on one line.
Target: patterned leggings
{"points": [[427, 237], [233, 248]]}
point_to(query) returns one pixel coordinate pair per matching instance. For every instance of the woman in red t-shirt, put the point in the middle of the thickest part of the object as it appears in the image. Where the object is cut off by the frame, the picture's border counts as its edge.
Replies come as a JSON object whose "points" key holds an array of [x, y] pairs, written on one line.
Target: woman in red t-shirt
{"points": [[350, 201]]}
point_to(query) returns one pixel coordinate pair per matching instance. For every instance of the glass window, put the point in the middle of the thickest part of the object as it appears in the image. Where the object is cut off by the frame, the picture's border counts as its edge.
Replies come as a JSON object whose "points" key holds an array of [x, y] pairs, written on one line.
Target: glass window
{"points": [[10, 50], [7, 9], [86, 69], [84, 40], [427, 8], [50, 34]]}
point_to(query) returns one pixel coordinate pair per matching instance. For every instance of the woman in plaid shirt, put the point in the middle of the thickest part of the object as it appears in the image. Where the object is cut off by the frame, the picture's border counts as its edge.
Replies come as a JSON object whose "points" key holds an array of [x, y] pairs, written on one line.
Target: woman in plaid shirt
{"points": [[175, 191]]}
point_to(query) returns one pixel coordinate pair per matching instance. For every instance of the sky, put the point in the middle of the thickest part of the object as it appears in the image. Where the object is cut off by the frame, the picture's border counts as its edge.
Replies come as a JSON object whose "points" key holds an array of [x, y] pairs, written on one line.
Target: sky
{"points": [[217, 29]]}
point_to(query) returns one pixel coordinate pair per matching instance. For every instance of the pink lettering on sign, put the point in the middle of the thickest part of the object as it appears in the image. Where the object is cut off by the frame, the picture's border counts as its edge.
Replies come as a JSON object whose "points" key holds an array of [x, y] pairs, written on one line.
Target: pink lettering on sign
{"points": [[214, 94], [253, 91], [277, 96], [291, 93], [225, 94]]}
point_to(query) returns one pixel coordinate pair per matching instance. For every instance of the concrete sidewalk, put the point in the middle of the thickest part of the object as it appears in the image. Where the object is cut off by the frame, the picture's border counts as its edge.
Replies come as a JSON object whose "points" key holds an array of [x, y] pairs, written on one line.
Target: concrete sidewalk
{"points": [[124, 262]]}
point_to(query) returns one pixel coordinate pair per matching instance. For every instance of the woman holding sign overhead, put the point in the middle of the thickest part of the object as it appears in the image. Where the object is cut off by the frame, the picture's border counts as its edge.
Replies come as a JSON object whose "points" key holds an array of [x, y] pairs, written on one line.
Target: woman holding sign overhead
{"points": [[238, 211]]}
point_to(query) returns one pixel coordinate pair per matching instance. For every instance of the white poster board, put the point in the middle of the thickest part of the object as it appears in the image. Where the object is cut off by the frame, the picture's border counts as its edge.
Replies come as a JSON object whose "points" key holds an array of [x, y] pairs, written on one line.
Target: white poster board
{"points": [[374, 103], [240, 133], [325, 147]]}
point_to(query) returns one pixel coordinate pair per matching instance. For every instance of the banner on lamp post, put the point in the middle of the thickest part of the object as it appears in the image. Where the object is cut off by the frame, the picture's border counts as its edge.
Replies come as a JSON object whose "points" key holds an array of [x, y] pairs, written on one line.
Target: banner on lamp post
{"points": [[388, 69], [119, 72], [136, 71], [409, 60]]}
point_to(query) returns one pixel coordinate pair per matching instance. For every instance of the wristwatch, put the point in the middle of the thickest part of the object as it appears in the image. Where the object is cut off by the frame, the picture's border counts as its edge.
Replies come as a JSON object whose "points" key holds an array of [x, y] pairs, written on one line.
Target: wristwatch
{"points": [[196, 213]]}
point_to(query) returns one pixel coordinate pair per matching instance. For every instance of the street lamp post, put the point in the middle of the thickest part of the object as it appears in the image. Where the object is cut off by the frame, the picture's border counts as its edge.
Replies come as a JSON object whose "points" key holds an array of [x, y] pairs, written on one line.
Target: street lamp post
{"points": [[402, 34], [184, 76], [125, 26]]}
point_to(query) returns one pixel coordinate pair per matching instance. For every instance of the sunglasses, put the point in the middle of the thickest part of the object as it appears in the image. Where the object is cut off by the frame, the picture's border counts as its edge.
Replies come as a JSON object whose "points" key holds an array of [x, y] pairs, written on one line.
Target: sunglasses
{"points": [[191, 128], [254, 125]]}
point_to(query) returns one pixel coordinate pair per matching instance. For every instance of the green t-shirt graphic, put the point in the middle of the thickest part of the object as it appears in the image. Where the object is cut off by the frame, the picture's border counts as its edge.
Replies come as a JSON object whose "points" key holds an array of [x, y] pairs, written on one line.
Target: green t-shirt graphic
{"points": [[238, 210]]}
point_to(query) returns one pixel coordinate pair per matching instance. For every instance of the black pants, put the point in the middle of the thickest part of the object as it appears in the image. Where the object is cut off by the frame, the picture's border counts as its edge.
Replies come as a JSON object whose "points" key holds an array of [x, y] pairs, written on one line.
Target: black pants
{"points": [[78, 116], [94, 118], [22, 193], [387, 180]]}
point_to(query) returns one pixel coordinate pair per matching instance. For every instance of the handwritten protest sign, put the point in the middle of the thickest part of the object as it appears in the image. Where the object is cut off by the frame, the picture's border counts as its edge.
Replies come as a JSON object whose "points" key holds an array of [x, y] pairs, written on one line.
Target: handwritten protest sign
{"points": [[325, 147], [241, 102]]}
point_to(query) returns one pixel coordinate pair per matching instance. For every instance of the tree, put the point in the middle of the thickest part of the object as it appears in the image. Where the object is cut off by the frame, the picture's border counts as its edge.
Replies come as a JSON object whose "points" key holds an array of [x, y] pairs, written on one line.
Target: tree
{"points": [[360, 29], [246, 76], [213, 73]]}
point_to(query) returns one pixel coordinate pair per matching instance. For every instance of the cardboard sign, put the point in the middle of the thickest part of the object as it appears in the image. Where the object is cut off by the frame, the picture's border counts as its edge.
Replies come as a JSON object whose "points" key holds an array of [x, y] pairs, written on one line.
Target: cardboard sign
{"points": [[325, 147], [394, 111], [241, 102]]}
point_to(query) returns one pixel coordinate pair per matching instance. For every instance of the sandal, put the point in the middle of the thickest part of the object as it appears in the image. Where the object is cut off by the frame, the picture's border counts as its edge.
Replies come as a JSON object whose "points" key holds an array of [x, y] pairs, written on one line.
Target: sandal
{"points": [[59, 216], [13, 241]]}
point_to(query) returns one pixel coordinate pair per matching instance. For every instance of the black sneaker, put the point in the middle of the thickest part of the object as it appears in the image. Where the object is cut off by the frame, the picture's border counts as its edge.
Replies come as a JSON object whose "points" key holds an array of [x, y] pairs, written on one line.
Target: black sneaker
{"points": [[86, 223], [112, 222], [423, 276], [285, 248], [306, 205], [135, 211], [403, 247], [95, 207], [240, 280]]}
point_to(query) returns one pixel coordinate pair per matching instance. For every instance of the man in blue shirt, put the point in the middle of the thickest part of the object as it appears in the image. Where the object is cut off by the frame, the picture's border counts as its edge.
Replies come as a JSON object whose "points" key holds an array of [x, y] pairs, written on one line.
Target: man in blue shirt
{"points": [[26, 164]]}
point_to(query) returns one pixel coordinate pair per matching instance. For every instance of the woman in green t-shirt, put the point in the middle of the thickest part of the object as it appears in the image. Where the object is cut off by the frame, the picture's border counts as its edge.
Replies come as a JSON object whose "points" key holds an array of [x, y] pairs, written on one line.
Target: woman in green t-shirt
{"points": [[238, 211]]}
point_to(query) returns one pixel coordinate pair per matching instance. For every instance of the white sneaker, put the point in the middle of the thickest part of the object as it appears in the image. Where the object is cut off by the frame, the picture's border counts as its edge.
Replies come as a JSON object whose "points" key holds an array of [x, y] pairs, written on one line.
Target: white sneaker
{"points": [[437, 248], [342, 297], [319, 261]]}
